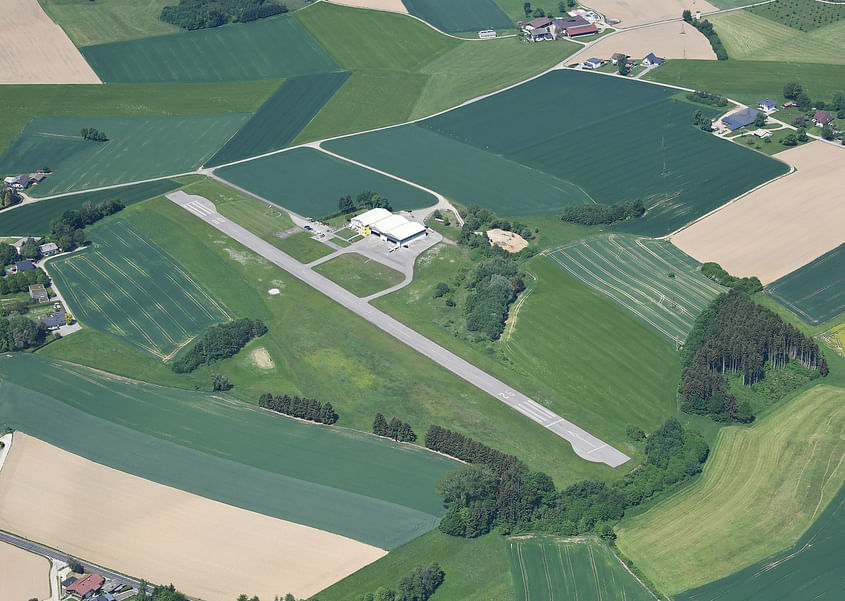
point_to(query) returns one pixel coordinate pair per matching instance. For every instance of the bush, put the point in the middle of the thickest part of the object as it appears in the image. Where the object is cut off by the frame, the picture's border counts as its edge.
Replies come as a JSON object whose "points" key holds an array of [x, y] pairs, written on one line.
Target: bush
{"points": [[220, 342]]}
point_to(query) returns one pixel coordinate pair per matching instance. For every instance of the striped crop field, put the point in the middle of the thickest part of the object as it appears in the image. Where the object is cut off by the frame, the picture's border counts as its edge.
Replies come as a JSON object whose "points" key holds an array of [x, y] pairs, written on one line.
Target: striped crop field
{"points": [[650, 278], [546, 569], [129, 287]]}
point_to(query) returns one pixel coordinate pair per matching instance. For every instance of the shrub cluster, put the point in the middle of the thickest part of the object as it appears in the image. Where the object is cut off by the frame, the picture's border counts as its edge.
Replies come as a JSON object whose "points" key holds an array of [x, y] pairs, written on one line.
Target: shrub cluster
{"points": [[295, 406], [493, 286], [715, 272], [89, 133], [596, 214], [8, 196], [708, 98], [220, 342], [455, 444], [201, 14], [395, 429], [20, 282], [18, 333]]}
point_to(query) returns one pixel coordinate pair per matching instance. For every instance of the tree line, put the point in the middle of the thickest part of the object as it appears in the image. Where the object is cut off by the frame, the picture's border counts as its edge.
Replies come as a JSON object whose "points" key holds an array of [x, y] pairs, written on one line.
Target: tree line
{"points": [[296, 406], [715, 272], [395, 429], [455, 444], [735, 334], [597, 214], [91, 134], [68, 230], [514, 498], [706, 27], [202, 14], [365, 200], [220, 342]]}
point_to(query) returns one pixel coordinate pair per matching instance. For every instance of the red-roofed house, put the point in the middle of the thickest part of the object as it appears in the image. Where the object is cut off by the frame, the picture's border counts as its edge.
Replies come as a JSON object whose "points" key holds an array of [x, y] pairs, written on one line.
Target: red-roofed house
{"points": [[822, 118], [86, 586]]}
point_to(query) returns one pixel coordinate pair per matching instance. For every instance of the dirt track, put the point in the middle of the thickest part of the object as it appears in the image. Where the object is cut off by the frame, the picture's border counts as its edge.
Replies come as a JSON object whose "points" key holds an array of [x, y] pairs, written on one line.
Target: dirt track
{"points": [[783, 225], [640, 12], [207, 549], [23, 575], [36, 50], [395, 6], [666, 40]]}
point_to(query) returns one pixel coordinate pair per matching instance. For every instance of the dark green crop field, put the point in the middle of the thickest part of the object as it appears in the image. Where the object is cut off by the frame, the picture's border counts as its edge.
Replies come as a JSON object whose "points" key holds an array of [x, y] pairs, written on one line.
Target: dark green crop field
{"points": [[282, 117], [816, 292], [346, 482], [138, 148], [269, 48], [34, 219], [129, 287], [310, 182], [466, 15]]}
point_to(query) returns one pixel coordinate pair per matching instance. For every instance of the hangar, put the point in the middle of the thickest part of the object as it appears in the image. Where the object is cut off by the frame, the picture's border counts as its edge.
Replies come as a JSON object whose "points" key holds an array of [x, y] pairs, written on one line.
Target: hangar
{"points": [[388, 226]]}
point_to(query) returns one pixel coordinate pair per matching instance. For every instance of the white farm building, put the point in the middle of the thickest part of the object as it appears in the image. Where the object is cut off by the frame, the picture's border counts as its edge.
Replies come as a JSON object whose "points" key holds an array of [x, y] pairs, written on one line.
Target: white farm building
{"points": [[387, 226]]}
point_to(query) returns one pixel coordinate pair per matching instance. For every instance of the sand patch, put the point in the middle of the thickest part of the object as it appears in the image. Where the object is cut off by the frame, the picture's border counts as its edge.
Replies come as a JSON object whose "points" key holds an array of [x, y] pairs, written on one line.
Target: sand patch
{"points": [[394, 6], [23, 575], [207, 549], [780, 227], [261, 358], [513, 243], [640, 12], [666, 40], [36, 50]]}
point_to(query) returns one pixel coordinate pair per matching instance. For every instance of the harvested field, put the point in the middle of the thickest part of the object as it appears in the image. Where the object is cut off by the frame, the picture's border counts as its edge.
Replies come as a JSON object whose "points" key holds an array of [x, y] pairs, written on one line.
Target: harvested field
{"points": [[635, 12], [780, 227], [36, 50], [666, 40], [165, 534], [24, 575], [511, 242], [394, 6], [466, 15], [649, 278]]}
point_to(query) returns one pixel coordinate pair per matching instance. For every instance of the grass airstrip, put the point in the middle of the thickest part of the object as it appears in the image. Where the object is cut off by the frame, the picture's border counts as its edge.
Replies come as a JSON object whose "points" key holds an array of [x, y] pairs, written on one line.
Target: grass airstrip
{"points": [[761, 488]]}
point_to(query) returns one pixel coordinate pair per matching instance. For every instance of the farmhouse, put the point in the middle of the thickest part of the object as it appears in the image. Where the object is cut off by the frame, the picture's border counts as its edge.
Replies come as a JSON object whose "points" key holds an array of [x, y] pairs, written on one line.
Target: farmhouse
{"points": [[18, 182], [85, 586], [822, 118], [768, 106], [49, 249], [575, 26], [592, 63], [387, 226], [542, 23], [652, 60], [38, 292], [740, 119]]}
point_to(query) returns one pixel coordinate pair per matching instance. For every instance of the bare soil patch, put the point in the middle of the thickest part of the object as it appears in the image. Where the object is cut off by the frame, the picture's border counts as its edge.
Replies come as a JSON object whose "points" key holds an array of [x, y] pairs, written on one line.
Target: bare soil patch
{"points": [[36, 50], [666, 40], [511, 242], [207, 549], [23, 575], [781, 226], [261, 358], [638, 12], [394, 6]]}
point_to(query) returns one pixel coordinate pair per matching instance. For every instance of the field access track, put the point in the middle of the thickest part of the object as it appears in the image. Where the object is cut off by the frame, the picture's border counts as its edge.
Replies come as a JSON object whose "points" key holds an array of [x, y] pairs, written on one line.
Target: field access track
{"points": [[650, 278], [129, 287]]}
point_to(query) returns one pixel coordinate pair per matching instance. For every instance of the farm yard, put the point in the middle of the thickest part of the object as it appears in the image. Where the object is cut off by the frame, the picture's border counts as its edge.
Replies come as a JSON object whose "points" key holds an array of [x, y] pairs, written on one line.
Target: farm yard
{"points": [[546, 568], [650, 278], [310, 182], [815, 292], [143, 514], [781, 226], [758, 494], [138, 148], [37, 50], [666, 40], [360, 275], [465, 16], [129, 287], [24, 575]]}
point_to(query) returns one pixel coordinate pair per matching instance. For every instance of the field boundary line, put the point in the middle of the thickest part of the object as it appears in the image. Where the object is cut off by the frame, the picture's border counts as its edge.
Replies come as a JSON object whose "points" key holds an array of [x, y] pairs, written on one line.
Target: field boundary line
{"points": [[613, 552]]}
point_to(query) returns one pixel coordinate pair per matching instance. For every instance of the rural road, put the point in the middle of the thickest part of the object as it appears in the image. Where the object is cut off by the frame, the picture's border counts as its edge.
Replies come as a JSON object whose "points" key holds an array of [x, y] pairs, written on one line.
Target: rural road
{"points": [[583, 443]]}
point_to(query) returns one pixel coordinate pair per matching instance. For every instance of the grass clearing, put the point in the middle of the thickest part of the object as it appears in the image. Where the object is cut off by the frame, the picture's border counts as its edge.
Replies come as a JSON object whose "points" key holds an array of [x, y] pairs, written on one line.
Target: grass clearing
{"points": [[815, 292], [281, 118], [129, 287], [549, 568], [468, 15], [310, 182], [87, 23], [360, 275], [269, 48], [650, 278], [138, 148], [761, 488], [202, 443]]}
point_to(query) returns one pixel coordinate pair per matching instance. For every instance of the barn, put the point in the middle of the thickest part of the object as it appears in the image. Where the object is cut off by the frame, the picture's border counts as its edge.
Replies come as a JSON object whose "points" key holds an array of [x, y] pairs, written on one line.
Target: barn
{"points": [[740, 119]]}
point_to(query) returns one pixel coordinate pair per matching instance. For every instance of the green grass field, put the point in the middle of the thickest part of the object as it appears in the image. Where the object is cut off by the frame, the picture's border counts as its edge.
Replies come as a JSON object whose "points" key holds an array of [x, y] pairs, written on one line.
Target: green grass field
{"points": [[88, 23], [751, 81], [354, 484], [761, 488], [282, 117], [468, 15], [650, 278], [802, 15], [129, 287], [269, 48], [815, 292], [476, 569], [750, 37], [810, 569], [35, 218], [138, 148], [546, 568], [310, 182], [360, 275]]}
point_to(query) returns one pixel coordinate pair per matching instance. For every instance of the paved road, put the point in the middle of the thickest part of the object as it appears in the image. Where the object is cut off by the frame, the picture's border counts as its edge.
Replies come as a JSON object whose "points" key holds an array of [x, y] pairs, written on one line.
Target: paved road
{"points": [[585, 444]]}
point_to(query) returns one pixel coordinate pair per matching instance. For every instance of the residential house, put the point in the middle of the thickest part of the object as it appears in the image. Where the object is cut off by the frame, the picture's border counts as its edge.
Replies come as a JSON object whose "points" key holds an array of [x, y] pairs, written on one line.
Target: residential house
{"points": [[618, 56], [592, 63], [652, 60], [822, 118], [20, 182], [540, 23], [51, 248], [86, 585], [53, 322], [25, 265], [768, 106], [38, 292]]}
